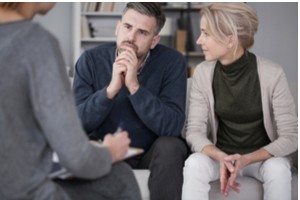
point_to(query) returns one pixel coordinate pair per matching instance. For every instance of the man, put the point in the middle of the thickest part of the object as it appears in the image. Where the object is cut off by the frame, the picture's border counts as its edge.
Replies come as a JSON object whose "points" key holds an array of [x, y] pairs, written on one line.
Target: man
{"points": [[141, 85]]}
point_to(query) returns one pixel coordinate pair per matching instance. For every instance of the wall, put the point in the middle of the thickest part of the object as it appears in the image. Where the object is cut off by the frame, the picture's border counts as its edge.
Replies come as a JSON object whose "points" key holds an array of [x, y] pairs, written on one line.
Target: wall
{"points": [[276, 39], [277, 36], [59, 22]]}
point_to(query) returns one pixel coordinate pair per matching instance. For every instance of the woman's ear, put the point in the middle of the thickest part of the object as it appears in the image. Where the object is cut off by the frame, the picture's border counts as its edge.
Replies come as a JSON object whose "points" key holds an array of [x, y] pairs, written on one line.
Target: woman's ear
{"points": [[230, 43]]}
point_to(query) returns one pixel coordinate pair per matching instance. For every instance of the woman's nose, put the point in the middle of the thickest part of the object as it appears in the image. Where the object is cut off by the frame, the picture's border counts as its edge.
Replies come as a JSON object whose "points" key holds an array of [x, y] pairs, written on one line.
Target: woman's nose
{"points": [[199, 40]]}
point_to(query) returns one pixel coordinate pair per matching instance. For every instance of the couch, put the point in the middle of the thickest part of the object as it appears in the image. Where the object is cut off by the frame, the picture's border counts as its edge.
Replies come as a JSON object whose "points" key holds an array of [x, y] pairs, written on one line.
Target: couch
{"points": [[250, 189]]}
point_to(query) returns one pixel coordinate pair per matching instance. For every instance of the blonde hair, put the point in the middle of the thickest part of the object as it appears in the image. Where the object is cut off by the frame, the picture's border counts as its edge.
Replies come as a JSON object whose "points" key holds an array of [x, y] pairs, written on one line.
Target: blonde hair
{"points": [[9, 5], [237, 19]]}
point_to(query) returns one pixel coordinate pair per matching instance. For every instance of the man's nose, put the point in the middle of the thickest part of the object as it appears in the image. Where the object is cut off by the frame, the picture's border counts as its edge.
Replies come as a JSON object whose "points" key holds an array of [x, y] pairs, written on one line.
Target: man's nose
{"points": [[131, 35]]}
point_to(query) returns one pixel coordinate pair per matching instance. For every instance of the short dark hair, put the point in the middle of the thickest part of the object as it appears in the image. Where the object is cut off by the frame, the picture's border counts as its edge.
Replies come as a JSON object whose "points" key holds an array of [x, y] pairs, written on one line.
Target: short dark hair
{"points": [[150, 9]]}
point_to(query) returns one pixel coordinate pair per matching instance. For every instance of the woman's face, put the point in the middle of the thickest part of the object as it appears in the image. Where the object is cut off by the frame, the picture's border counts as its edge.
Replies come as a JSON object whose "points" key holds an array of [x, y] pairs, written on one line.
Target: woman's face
{"points": [[212, 49]]}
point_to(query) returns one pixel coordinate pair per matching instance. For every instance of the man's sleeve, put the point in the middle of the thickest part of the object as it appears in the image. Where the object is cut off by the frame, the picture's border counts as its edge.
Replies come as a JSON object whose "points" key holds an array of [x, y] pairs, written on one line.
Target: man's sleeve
{"points": [[92, 104], [164, 114]]}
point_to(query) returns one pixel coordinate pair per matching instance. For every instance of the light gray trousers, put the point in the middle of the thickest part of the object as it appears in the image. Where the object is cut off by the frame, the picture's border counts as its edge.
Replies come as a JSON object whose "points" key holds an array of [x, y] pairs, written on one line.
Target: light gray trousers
{"points": [[200, 170]]}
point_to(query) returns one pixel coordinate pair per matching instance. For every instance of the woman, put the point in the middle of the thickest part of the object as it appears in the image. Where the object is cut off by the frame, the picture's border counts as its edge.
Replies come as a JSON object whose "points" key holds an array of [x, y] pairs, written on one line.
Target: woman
{"points": [[38, 116], [242, 118]]}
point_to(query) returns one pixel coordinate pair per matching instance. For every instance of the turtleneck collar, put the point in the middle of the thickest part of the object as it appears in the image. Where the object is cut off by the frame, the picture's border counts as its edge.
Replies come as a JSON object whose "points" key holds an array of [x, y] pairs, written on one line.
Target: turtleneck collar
{"points": [[237, 65]]}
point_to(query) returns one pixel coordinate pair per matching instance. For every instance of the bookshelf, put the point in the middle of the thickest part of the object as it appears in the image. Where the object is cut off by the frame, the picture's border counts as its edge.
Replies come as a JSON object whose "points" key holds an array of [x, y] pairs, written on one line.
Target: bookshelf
{"points": [[89, 17], [94, 24], [187, 30]]}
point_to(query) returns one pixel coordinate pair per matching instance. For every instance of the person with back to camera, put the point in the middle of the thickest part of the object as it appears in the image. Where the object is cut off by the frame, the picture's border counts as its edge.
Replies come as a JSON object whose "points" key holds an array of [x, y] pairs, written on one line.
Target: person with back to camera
{"points": [[38, 116], [242, 118], [141, 84]]}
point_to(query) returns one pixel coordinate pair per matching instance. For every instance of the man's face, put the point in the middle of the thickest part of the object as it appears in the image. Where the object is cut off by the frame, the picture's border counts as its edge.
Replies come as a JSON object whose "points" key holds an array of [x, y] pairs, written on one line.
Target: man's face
{"points": [[136, 31]]}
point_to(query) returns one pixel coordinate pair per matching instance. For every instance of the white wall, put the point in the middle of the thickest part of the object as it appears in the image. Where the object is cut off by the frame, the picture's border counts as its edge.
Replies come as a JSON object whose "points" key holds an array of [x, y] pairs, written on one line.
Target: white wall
{"points": [[59, 22], [277, 37]]}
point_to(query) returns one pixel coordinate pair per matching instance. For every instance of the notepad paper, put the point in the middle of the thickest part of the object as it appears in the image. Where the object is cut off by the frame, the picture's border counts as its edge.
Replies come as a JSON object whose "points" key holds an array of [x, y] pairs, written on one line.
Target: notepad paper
{"points": [[133, 152]]}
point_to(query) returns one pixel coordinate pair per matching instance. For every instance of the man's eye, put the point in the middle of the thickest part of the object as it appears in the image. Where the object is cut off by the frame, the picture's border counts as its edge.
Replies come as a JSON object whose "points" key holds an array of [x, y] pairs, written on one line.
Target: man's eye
{"points": [[143, 33], [127, 26]]}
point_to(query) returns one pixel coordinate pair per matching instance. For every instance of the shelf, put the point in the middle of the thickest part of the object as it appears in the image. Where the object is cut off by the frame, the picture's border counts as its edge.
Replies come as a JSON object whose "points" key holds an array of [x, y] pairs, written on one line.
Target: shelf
{"points": [[193, 54], [181, 9], [102, 14], [99, 39]]}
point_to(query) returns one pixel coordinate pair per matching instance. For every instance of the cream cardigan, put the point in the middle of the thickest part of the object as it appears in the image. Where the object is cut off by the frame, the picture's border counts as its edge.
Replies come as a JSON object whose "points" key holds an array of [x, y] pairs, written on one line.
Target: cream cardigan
{"points": [[280, 119]]}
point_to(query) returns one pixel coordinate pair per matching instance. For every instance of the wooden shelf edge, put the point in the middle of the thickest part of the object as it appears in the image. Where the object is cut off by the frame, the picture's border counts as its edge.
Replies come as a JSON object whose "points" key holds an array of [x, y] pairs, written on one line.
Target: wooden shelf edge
{"points": [[102, 14], [99, 39], [193, 54]]}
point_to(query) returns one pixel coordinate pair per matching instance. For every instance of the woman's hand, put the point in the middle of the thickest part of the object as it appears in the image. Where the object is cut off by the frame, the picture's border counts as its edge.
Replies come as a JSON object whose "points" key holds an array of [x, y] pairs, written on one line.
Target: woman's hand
{"points": [[226, 179], [118, 145], [239, 162]]}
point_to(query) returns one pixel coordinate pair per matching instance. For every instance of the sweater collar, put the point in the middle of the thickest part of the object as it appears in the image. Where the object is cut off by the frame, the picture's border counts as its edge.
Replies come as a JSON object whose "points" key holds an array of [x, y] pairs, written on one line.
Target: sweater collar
{"points": [[237, 65]]}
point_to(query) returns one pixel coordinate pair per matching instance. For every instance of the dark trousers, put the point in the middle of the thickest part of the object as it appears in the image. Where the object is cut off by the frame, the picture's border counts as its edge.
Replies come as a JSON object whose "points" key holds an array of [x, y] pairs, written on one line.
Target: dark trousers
{"points": [[165, 160], [119, 184]]}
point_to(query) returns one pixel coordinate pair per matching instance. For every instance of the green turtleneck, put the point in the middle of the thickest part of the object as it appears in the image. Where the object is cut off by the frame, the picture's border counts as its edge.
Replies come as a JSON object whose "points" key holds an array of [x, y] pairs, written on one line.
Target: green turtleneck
{"points": [[238, 106]]}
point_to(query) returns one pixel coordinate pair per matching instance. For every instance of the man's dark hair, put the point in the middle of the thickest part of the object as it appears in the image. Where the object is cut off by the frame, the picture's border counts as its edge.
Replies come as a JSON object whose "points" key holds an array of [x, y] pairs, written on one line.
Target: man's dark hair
{"points": [[150, 9]]}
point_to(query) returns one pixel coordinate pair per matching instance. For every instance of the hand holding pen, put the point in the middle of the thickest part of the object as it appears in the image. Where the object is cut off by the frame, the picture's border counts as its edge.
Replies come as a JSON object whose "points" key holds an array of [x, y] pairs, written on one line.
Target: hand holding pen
{"points": [[118, 144], [121, 127]]}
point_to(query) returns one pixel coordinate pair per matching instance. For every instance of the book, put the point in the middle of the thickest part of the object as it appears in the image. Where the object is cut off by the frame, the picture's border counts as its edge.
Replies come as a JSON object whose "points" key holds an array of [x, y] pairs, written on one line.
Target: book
{"points": [[85, 28], [106, 7], [104, 28], [59, 172], [119, 7]]}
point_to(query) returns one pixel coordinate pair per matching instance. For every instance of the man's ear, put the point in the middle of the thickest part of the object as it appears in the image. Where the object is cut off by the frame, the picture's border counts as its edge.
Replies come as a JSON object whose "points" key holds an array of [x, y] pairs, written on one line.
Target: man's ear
{"points": [[155, 41], [118, 27]]}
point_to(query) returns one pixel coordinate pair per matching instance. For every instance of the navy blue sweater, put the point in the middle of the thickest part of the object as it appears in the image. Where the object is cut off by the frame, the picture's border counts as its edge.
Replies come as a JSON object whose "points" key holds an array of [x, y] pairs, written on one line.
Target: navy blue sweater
{"points": [[156, 109]]}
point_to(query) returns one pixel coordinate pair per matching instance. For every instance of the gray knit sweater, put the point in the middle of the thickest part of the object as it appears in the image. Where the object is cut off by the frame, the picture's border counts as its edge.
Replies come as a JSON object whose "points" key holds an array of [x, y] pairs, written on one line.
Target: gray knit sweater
{"points": [[38, 116]]}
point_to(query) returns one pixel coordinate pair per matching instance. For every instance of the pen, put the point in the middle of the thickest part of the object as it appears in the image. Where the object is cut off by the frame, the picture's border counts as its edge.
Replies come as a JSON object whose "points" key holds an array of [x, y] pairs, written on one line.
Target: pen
{"points": [[120, 127]]}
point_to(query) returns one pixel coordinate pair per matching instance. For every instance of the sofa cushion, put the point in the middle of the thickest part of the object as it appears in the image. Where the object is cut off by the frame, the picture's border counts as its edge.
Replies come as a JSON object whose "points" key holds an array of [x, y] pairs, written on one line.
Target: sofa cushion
{"points": [[142, 176]]}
